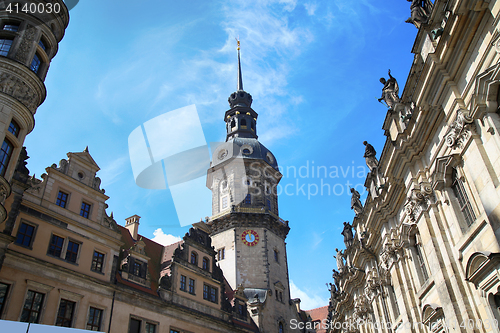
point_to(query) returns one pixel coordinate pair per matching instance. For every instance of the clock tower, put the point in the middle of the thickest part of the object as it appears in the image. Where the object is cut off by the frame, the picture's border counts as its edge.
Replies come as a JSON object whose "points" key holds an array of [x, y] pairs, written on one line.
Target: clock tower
{"points": [[246, 230]]}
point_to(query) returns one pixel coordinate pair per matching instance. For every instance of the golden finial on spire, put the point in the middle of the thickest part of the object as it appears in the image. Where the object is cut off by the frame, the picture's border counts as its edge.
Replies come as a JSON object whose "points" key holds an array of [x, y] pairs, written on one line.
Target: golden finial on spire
{"points": [[238, 41]]}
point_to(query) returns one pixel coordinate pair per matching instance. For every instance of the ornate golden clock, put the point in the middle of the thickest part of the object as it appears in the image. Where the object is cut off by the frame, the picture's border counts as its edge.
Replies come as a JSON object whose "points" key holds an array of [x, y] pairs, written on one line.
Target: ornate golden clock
{"points": [[250, 237]]}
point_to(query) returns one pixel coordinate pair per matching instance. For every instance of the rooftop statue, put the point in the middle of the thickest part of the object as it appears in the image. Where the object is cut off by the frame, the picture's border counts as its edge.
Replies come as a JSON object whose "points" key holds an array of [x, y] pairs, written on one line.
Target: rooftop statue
{"points": [[420, 12], [371, 159], [348, 236], [356, 202], [390, 91]]}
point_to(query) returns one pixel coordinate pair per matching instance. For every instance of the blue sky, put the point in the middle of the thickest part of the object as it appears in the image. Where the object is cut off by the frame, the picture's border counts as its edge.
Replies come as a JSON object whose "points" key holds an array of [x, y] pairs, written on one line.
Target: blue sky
{"points": [[313, 70]]}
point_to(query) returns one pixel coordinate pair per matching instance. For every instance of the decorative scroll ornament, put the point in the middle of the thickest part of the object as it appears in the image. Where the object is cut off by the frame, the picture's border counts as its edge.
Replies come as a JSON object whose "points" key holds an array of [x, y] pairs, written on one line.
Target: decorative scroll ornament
{"points": [[459, 131], [418, 201]]}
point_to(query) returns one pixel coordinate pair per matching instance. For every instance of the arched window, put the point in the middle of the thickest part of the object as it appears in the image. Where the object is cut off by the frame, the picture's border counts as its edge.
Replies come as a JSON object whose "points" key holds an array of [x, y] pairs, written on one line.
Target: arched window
{"points": [[463, 200], [5, 154], [233, 123], [280, 327], [194, 258], [243, 123], [206, 263]]}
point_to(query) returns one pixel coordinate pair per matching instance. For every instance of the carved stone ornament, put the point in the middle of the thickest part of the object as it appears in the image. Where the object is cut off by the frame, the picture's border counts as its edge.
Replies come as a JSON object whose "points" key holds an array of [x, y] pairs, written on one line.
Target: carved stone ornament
{"points": [[362, 308], [26, 44], [459, 131], [18, 89], [372, 286], [418, 201], [392, 250]]}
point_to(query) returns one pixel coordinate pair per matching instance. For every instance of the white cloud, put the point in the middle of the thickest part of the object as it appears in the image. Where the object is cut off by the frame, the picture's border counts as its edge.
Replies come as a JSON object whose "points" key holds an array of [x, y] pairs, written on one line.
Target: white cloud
{"points": [[308, 299], [163, 238], [310, 8]]}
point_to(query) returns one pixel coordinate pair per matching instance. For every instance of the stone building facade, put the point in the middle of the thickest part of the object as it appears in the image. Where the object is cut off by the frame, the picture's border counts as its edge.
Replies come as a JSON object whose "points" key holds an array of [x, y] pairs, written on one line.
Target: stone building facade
{"points": [[425, 256], [72, 265], [65, 262]]}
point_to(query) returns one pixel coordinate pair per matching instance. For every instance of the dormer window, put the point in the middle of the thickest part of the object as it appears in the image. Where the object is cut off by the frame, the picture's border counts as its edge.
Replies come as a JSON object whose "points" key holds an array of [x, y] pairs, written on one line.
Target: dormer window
{"points": [[194, 258]]}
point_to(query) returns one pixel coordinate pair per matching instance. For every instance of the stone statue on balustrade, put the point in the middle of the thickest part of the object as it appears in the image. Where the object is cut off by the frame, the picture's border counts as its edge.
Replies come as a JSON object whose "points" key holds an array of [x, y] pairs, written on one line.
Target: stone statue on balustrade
{"points": [[340, 261], [348, 236], [370, 156], [356, 204], [390, 91], [420, 12]]}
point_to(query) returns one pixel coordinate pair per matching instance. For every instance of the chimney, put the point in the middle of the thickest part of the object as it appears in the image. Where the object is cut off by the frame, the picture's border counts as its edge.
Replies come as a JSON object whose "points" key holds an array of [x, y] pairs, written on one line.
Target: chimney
{"points": [[132, 224]]}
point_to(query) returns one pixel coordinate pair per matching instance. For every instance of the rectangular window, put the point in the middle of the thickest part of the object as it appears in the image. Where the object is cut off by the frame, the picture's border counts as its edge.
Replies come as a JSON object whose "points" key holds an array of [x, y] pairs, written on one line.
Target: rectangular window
{"points": [[421, 262], [56, 245], [150, 328], [221, 253], [174, 331], [224, 202], [276, 257], [35, 63], [14, 128], [95, 317], [5, 45], [248, 199], [463, 200], [183, 283], [32, 307], [4, 289], [97, 262], [42, 45], [268, 204], [85, 210], [65, 313], [136, 270], [191, 286], [134, 326], [62, 199], [5, 154], [210, 293], [11, 27], [25, 235], [72, 251]]}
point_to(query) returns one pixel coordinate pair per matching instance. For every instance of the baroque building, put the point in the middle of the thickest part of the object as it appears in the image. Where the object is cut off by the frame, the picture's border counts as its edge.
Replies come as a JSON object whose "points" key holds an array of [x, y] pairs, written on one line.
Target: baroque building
{"points": [[426, 249], [65, 262]]}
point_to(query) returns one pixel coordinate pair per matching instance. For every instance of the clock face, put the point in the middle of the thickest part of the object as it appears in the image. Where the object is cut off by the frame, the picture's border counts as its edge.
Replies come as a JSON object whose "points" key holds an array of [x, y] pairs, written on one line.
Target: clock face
{"points": [[250, 237]]}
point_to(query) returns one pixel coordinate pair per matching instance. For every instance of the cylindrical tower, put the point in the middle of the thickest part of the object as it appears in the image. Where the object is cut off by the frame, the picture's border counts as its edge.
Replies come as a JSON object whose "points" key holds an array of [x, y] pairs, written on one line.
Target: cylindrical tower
{"points": [[30, 32]]}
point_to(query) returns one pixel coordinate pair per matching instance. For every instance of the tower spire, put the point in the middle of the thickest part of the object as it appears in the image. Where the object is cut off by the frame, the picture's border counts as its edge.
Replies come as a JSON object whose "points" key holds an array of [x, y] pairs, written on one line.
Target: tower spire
{"points": [[240, 79]]}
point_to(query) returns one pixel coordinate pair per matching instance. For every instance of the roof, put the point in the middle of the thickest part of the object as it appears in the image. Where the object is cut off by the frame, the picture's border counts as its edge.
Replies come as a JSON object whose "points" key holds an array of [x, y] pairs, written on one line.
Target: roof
{"points": [[153, 251], [168, 253], [318, 315]]}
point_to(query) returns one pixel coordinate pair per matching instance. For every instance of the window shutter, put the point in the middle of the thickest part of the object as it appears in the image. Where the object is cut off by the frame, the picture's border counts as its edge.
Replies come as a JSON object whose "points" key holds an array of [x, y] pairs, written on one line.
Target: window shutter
{"points": [[131, 261], [144, 268]]}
